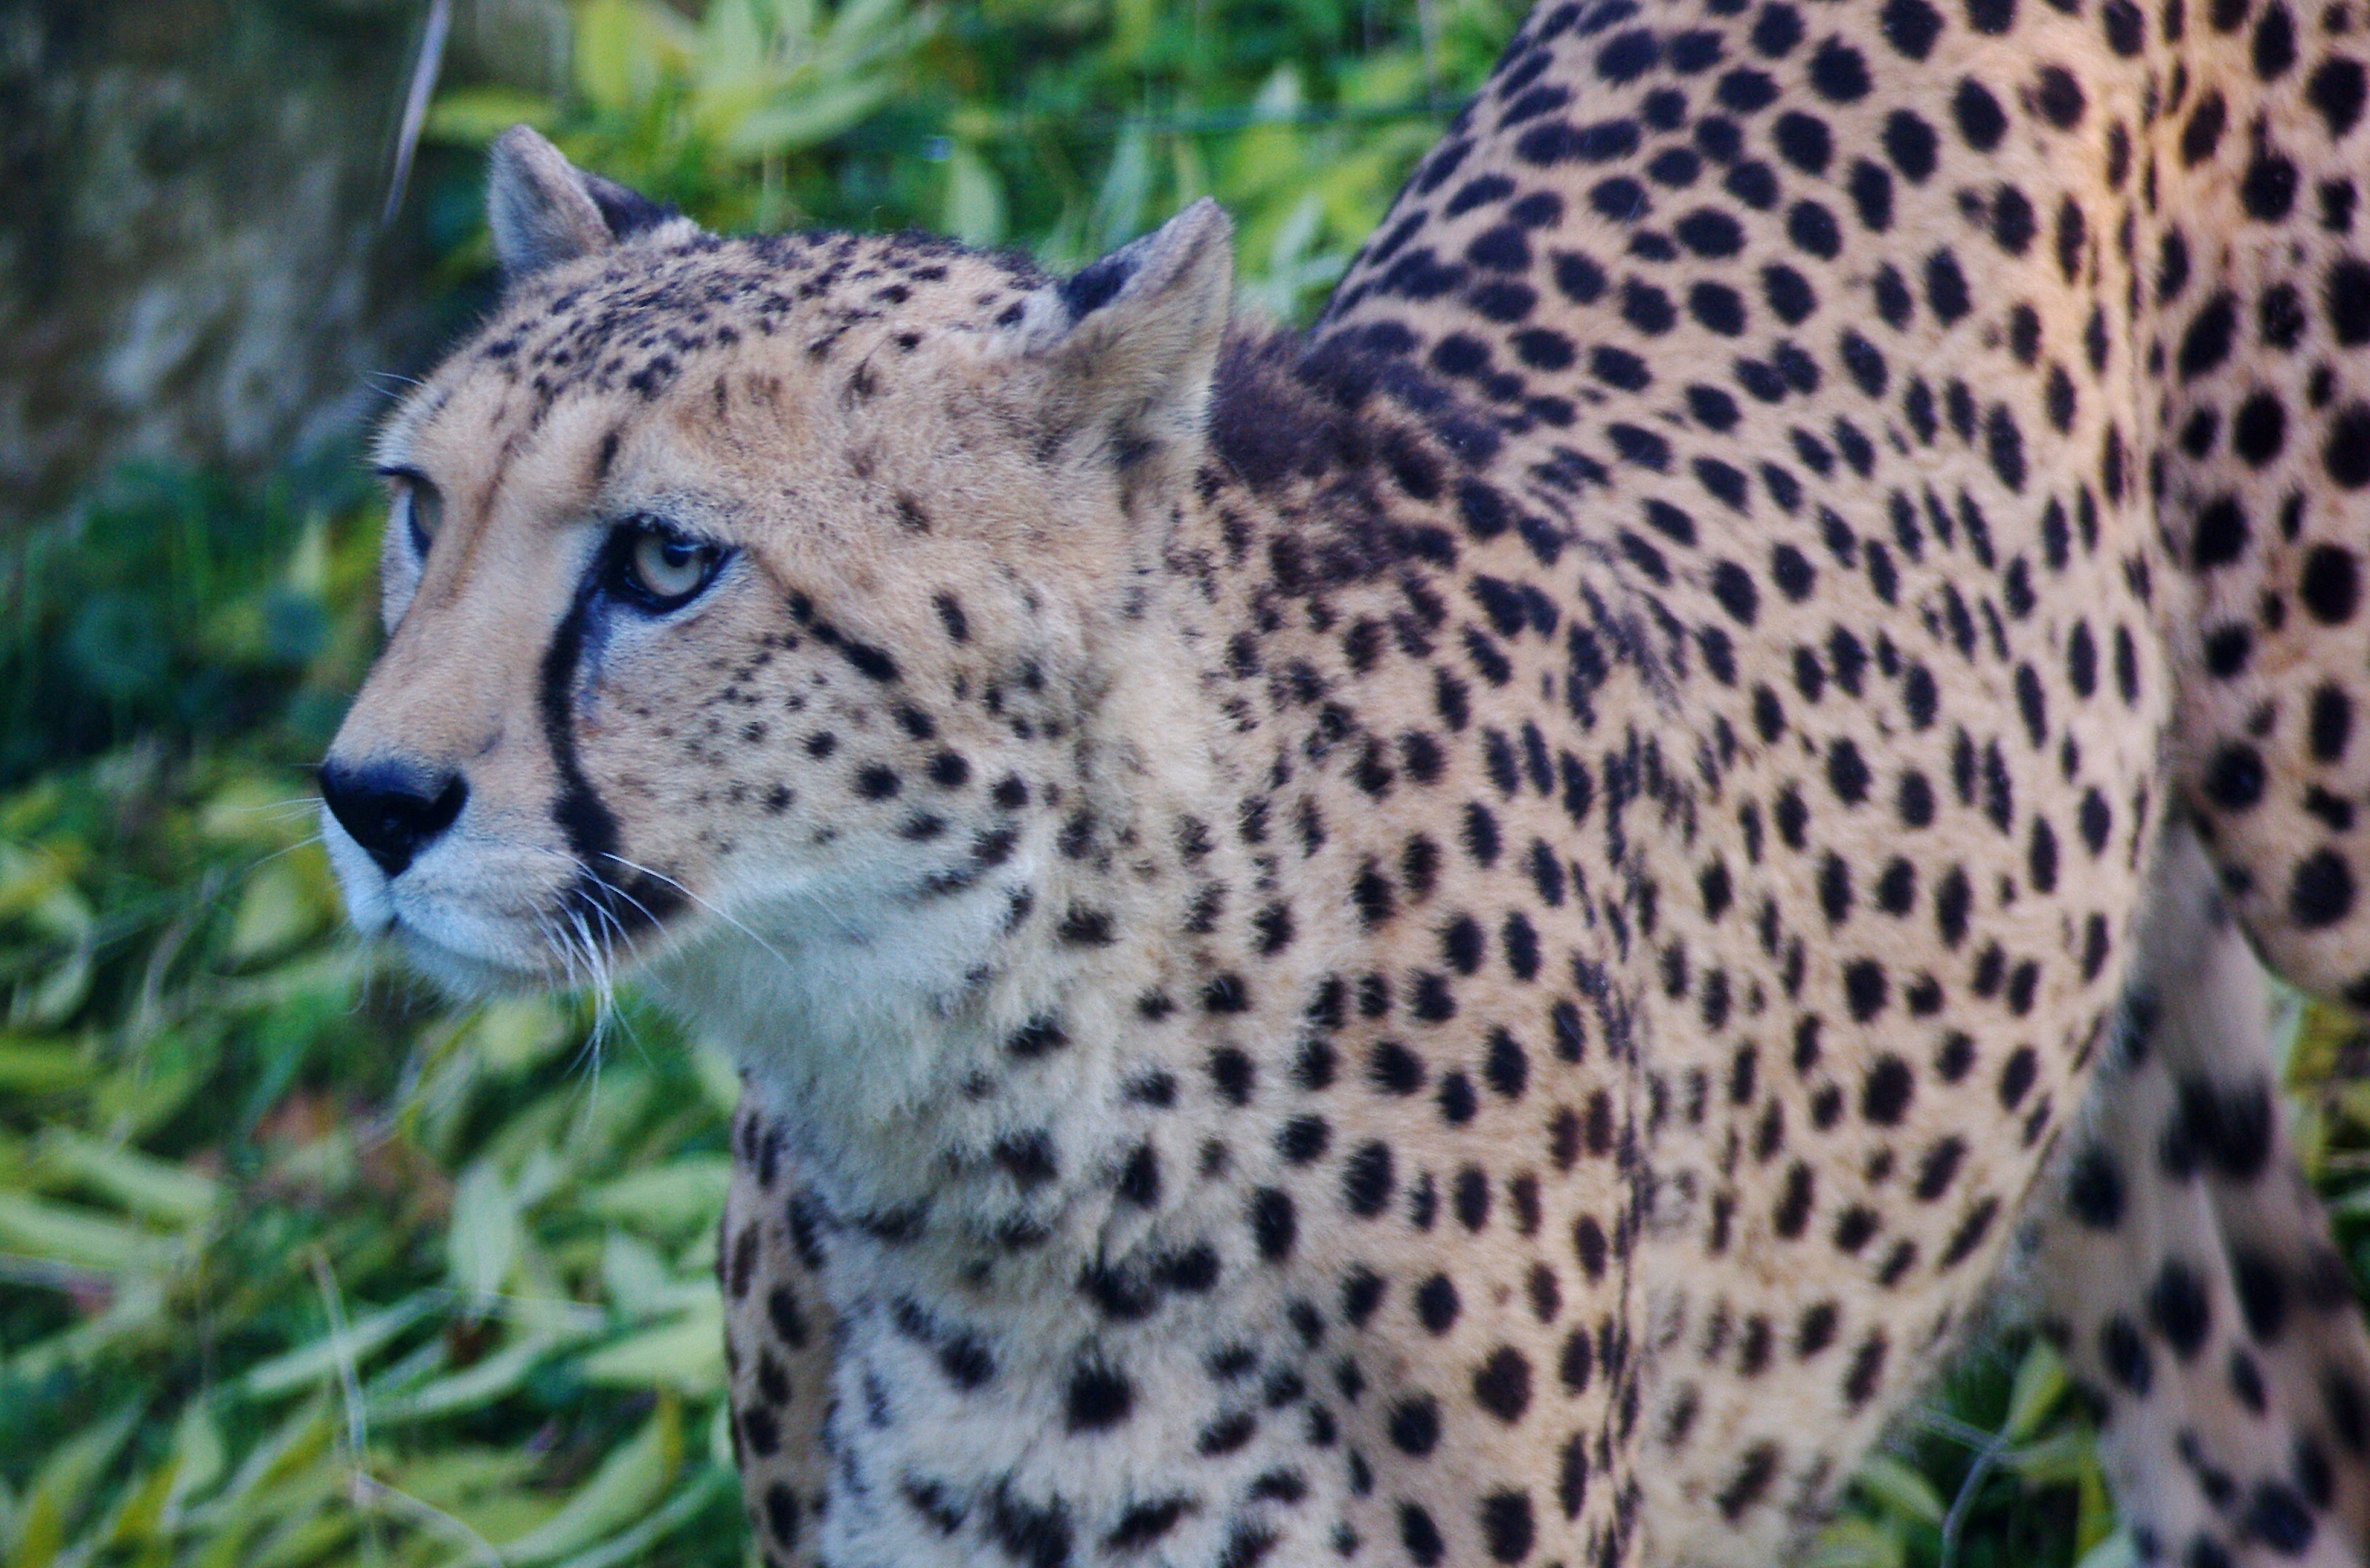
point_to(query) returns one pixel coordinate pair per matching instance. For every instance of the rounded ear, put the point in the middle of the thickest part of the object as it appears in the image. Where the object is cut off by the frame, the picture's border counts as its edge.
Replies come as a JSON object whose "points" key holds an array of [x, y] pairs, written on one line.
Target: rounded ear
{"points": [[1130, 345], [544, 210]]}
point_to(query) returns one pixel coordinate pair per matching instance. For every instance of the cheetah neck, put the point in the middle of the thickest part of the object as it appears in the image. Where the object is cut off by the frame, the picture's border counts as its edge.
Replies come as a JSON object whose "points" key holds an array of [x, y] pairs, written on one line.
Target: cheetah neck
{"points": [[1023, 1213], [1132, 952], [1049, 1171], [907, 1041]]}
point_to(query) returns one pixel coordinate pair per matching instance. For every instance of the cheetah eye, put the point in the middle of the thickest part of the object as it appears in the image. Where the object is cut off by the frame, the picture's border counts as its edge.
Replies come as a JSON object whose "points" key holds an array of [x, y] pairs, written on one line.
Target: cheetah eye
{"points": [[417, 508], [663, 569]]}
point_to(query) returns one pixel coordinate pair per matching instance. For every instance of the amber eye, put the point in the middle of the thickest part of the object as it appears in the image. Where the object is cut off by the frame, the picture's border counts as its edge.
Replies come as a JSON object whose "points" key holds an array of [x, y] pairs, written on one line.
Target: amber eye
{"points": [[418, 508], [664, 568]]}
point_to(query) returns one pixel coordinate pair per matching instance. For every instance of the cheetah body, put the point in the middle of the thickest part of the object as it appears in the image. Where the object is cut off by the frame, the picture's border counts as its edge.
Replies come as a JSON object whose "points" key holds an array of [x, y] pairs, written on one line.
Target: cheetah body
{"points": [[1462, 940]]}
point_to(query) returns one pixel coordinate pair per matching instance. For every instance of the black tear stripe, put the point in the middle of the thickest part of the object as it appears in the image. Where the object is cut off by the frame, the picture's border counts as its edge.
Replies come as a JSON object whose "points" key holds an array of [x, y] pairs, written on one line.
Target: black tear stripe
{"points": [[627, 904]]}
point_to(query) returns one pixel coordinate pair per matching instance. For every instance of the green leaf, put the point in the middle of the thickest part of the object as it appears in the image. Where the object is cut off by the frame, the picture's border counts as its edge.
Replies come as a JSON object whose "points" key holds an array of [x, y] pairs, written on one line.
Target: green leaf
{"points": [[2094, 1518], [2060, 1457], [2040, 1383], [287, 1451], [479, 1384], [585, 1119], [305, 1522], [638, 1285], [134, 1315], [1118, 215], [686, 1356], [252, 809], [623, 47], [40, 1066], [141, 1513], [1296, 235], [974, 209], [483, 1239], [70, 1233], [628, 1483], [790, 123], [167, 1069], [667, 1199], [28, 879], [859, 19], [277, 907], [712, 1483], [319, 1360], [448, 1477], [542, 1173], [471, 116], [1898, 1489], [2356, 1201], [519, 1032], [1851, 1542], [57, 994], [199, 1458], [732, 39], [62, 1488], [155, 1188]]}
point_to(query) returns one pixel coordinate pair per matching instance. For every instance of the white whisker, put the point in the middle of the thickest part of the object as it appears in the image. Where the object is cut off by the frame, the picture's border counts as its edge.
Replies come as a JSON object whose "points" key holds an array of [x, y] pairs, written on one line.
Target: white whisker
{"points": [[661, 877], [608, 887], [305, 842], [596, 964]]}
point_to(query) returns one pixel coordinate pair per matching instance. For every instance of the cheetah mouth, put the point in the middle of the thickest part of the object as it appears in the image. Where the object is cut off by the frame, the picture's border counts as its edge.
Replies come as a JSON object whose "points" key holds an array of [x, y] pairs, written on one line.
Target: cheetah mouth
{"points": [[591, 931], [587, 936], [481, 919], [473, 971]]}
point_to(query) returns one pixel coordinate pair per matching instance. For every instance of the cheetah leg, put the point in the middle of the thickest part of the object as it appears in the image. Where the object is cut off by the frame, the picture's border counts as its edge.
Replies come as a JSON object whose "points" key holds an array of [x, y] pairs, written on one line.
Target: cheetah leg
{"points": [[2260, 359], [2187, 1270], [776, 1348]]}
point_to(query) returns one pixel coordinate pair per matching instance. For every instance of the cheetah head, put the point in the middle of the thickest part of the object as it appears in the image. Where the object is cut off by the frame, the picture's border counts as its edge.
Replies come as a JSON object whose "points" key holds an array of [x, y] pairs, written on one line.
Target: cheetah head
{"points": [[739, 592]]}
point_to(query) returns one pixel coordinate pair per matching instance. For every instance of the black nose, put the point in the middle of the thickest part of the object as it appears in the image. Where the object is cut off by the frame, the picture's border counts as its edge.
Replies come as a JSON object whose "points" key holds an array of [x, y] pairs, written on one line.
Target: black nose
{"points": [[393, 809]]}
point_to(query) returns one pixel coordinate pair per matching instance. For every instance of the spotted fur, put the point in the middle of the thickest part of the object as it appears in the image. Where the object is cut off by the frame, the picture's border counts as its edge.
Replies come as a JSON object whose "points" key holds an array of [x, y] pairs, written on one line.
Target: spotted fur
{"points": [[2188, 1272], [1461, 939]]}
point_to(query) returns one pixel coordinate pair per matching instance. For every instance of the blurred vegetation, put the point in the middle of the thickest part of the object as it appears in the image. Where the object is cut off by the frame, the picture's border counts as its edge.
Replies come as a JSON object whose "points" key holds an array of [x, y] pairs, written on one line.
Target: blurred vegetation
{"points": [[1066, 127], [300, 1264]]}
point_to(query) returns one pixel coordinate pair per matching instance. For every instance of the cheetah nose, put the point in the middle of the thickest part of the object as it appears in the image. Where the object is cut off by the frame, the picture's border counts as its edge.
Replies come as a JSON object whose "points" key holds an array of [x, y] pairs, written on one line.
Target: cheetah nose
{"points": [[393, 809]]}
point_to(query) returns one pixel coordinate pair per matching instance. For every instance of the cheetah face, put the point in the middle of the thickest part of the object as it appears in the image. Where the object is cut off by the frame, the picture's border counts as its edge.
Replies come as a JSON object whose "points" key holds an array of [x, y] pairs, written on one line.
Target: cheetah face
{"points": [[736, 591]]}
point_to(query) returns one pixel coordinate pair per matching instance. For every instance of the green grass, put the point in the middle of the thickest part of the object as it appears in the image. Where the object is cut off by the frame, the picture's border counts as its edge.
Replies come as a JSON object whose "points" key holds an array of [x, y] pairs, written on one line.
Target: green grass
{"points": [[302, 1267], [300, 1264]]}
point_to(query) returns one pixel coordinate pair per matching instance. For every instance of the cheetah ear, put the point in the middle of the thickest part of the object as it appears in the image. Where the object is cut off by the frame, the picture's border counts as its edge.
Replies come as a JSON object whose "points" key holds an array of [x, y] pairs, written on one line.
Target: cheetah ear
{"points": [[544, 210], [1131, 343]]}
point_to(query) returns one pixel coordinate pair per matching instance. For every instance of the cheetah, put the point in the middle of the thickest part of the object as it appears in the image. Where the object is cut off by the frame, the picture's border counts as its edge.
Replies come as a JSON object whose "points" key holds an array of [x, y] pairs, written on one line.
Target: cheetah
{"points": [[1470, 937]]}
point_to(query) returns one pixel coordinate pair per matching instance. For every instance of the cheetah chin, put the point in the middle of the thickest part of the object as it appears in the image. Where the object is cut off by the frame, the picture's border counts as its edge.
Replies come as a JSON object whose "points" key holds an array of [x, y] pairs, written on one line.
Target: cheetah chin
{"points": [[1474, 937]]}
